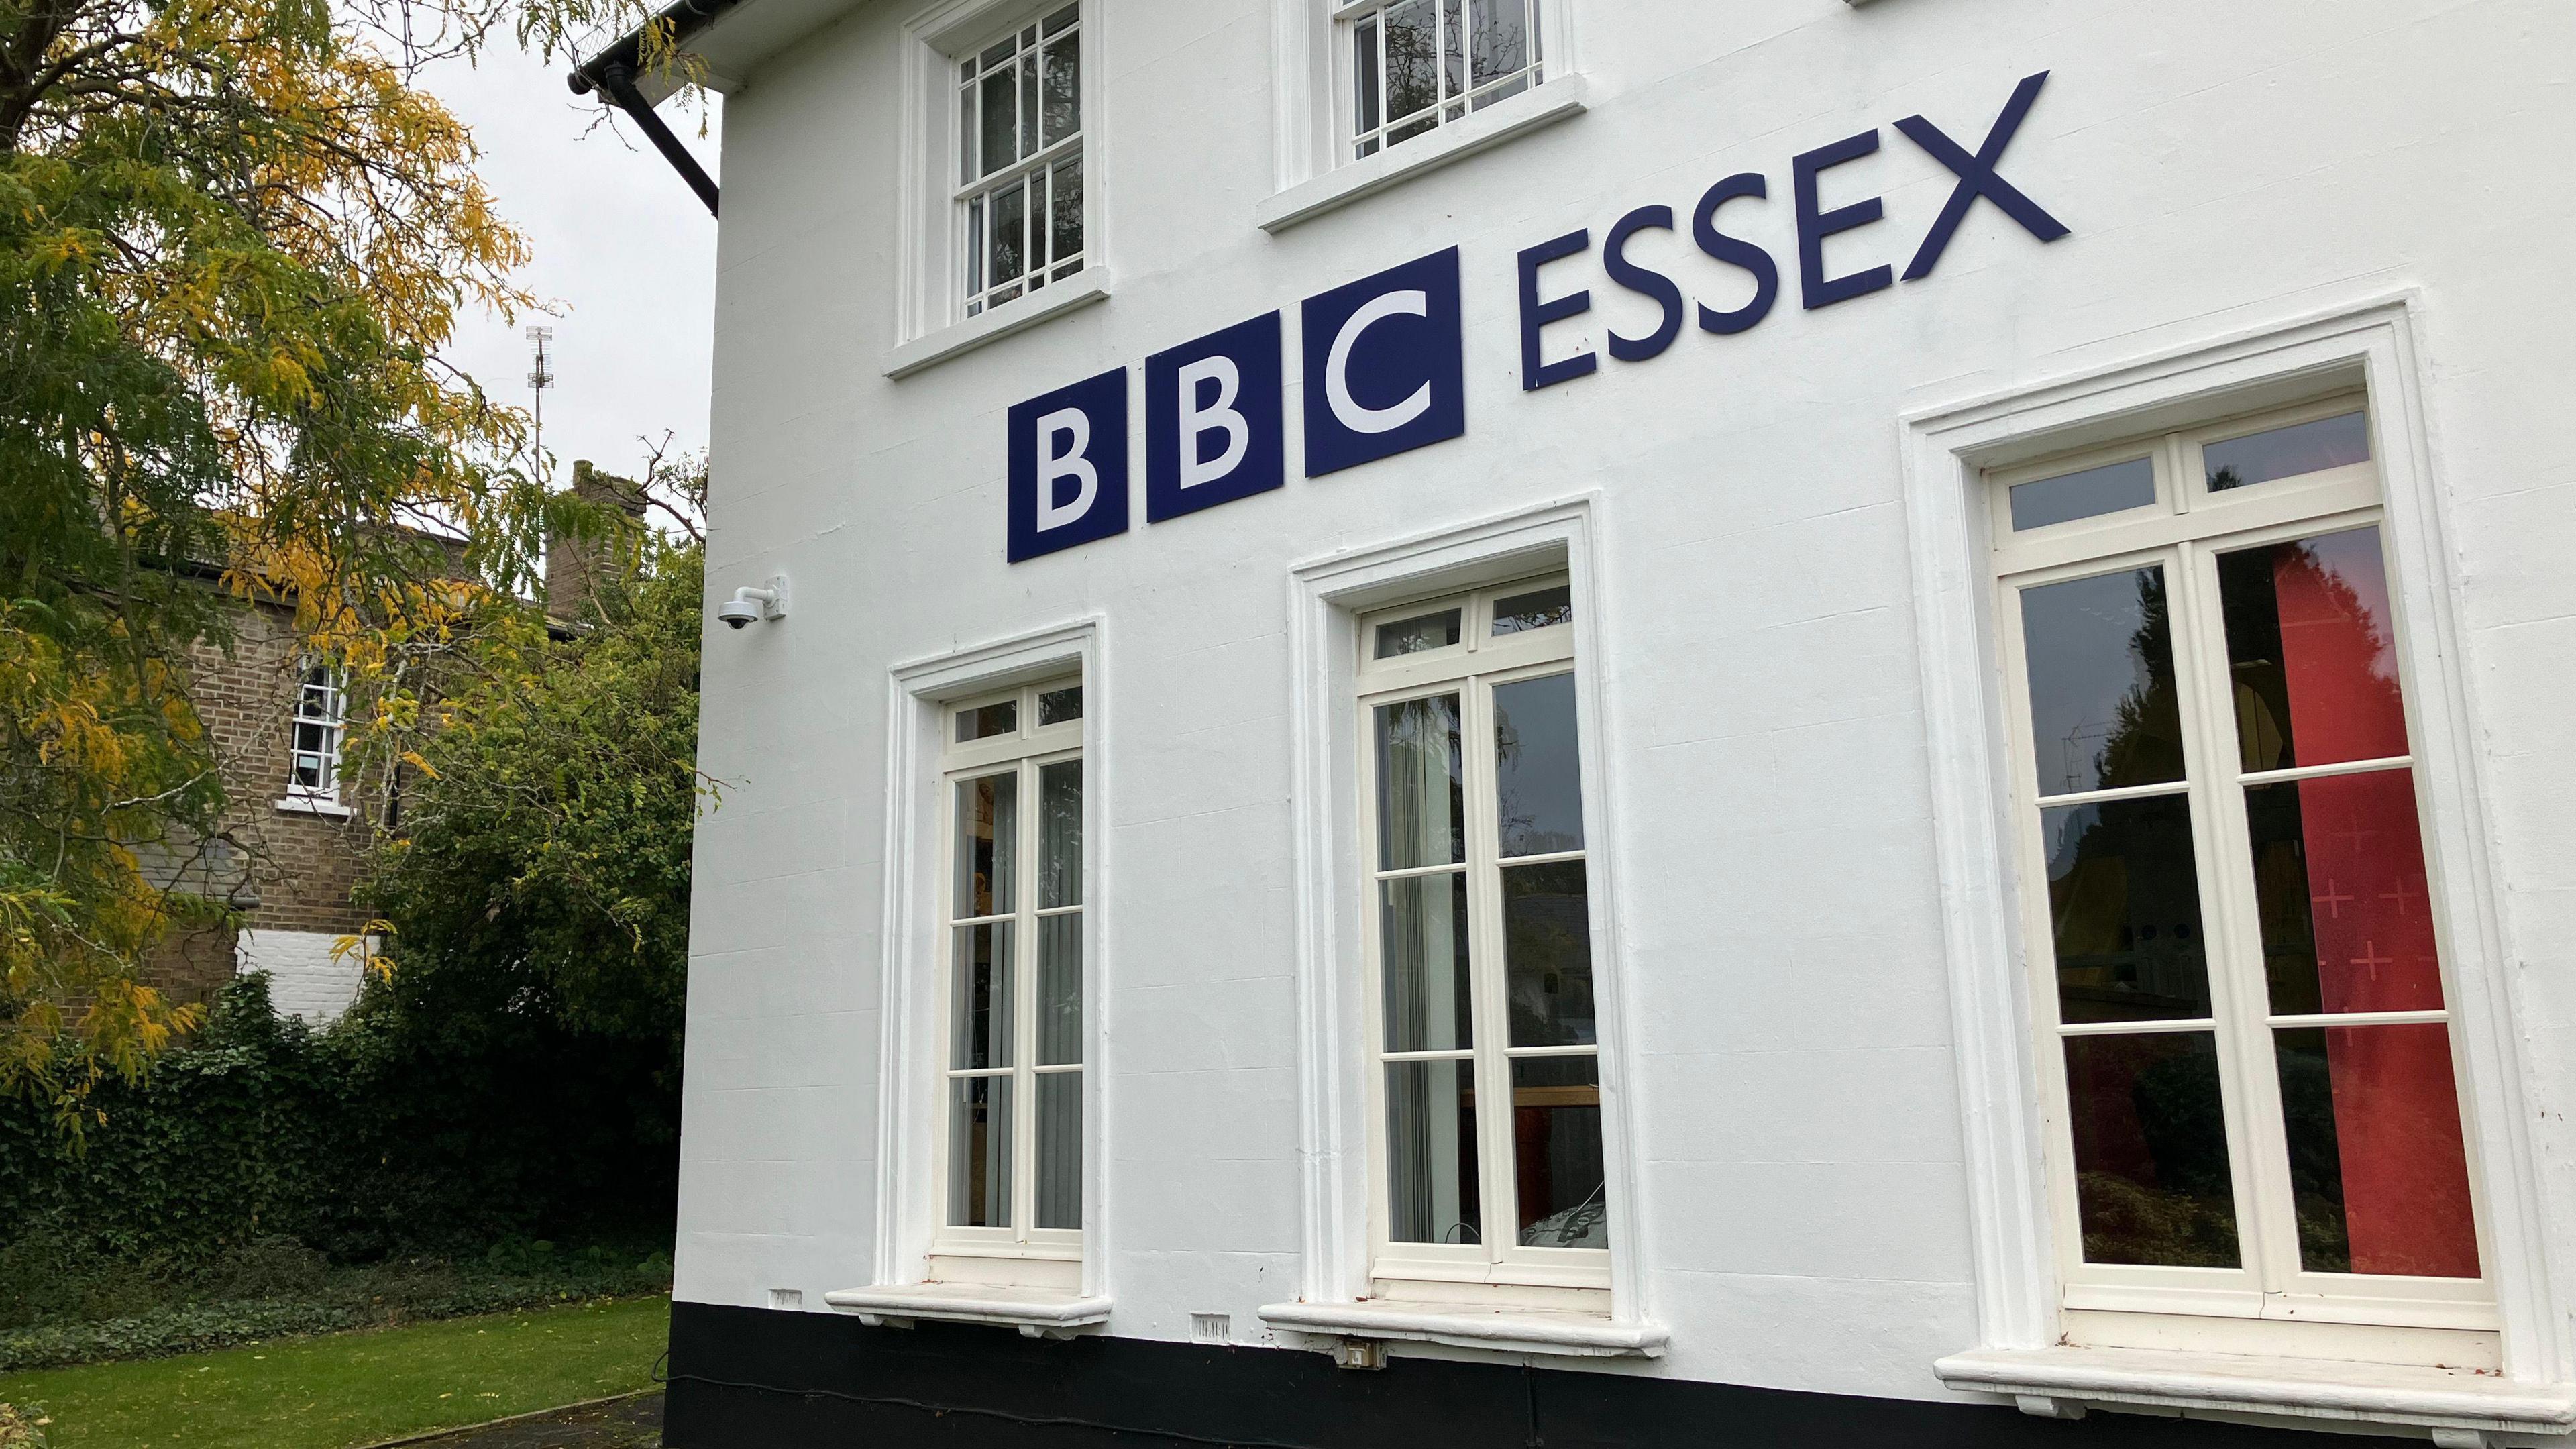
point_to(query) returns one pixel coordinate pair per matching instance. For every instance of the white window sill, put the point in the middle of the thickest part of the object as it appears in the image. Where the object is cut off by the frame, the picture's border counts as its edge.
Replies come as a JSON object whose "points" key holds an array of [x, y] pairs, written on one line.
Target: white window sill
{"points": [[313, 805], [2462, 1405], [1083, 288], [1545, 105], [1035, 1312], [1519, 1330]]}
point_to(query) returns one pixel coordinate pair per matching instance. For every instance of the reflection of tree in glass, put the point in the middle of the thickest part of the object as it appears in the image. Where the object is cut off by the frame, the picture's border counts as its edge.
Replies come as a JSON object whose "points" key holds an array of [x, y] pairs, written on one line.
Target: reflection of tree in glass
{"points": [[2145, 742], [1410, 59], [1415, 740]]}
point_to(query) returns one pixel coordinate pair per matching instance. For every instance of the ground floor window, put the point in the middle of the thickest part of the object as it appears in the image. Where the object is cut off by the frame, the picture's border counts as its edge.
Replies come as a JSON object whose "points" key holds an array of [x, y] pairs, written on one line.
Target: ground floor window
{"points": [[2247, 1044], [1012, 1100], [1486, 1077]]}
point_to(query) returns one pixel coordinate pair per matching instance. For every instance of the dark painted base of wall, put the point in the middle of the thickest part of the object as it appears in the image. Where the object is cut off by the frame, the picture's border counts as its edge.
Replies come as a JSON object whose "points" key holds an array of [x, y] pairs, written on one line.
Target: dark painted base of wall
{"points": [[747, 1378]]}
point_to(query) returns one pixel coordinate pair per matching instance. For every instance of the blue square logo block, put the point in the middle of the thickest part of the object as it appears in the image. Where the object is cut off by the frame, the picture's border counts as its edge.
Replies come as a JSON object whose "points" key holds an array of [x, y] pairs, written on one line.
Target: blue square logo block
{"points": [[1385, 365], [1068, 482], [1214, 421]]}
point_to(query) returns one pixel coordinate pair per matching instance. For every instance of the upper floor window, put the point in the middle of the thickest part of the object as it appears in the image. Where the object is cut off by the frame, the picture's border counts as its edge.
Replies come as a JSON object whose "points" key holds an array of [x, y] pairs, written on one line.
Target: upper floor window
{"points": [[1014, 1044], [1416, 65], [1486, 1080], [1019, 139], [2247, 1035], [320, 720]]}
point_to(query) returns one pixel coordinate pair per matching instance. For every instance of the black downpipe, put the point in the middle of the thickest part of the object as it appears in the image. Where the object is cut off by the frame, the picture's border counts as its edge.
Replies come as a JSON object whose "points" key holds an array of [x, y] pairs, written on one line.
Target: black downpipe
{"points": [[619, 80]]}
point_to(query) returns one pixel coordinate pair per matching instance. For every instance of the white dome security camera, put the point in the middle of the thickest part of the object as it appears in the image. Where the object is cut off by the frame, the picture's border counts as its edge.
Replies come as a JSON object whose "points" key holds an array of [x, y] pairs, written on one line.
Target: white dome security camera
{"points": [[749, 606]]}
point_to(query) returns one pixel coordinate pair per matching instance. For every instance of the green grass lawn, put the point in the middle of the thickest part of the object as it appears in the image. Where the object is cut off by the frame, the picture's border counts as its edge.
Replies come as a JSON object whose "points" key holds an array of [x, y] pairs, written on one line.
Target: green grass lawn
{"points": [[353, 1388]]}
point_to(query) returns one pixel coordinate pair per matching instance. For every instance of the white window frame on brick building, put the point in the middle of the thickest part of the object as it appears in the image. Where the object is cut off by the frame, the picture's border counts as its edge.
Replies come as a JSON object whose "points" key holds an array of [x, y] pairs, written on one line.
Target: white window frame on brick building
{"points": [[2054, 1330], [315, 733]]}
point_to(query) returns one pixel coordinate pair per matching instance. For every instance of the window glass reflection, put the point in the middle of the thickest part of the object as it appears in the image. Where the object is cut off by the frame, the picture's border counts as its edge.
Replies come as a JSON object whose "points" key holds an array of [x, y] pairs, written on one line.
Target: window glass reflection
{"points": [[2377, 1169], [988, 813], [1413, 636], [979, 1152], [2103, 712], [1422, 951], [2152, 1182], [1538, 773], [1547, 954], [1538, 609], [2287, 452], [2340, 885], [2112, 488], [1556, 1153], [1431, 1153], [2124, 906], [2310, 653], [1421, 784], [1059, 1128]]}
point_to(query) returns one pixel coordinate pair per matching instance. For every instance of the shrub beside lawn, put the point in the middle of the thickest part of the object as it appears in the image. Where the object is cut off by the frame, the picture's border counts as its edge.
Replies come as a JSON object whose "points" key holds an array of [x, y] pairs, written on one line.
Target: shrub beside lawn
{"points": [[355, 1388]]}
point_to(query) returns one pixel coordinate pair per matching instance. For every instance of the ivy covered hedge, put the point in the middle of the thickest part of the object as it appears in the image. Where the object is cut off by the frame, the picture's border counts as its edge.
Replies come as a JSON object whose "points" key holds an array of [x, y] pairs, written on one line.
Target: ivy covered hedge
{"points": [[408, 1126]]}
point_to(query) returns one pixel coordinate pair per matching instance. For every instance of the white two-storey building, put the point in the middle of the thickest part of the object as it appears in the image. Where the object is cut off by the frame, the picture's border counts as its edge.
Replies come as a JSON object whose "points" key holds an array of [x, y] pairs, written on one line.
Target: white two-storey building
{"points": [[1635, 722]]}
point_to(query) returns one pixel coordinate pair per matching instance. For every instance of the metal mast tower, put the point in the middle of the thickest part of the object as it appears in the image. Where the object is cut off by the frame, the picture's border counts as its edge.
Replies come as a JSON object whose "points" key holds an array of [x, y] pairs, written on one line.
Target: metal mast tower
{"points": [[541, 375]]}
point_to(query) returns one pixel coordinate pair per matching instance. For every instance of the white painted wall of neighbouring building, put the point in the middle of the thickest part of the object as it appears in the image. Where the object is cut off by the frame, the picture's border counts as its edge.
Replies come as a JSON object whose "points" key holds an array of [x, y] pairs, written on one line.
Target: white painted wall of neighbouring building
{"points": [[1816, 1203], [305, 979]]}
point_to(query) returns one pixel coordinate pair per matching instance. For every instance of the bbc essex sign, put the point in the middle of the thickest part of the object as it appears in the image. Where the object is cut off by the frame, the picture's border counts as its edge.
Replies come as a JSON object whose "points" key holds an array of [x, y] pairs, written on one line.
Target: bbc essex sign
{"points": [[1384, 358]]}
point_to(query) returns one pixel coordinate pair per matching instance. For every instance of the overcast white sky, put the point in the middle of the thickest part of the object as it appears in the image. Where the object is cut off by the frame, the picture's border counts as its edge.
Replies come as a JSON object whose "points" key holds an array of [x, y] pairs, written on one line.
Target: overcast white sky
{"points": [[623, 248]]}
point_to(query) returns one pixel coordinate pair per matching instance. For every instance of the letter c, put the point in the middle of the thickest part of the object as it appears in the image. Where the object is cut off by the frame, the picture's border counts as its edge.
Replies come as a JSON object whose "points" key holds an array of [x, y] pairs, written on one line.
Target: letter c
{"points": [[1337, 367], [1067, 464]]}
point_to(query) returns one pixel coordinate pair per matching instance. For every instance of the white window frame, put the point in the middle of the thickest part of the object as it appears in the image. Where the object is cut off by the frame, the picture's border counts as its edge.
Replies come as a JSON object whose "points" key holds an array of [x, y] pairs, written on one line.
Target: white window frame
{"points": [[923, 1268], [334, 722], [1337, 1050], [1023, 753], [932, 322], [2367, 346], [1359, 143], [977, 198], [2184, 533], [1316, 166], [1470, 669]]}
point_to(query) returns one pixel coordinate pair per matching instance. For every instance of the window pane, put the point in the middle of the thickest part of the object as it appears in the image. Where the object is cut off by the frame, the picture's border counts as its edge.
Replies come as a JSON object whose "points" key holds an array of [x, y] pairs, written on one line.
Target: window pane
{"points": [[1001, 119], [1412, 636], [1060, 706], [1501, 43], [1431, 1153], [1059, 1150], [2152, 1183], [974, 251], [1534, 610], [1547, 954], [1010, 215], [2112, 488], [1039, 212], [1411, 129], [2288, 452], [309, 737], [988, 826], [1556, 1153], [1066, 201], [1422, 934], [979, 1000], [1453, 48], [979, 1152], [308, 772], [1365, 54], [1030, 105], [2376, 1164], [1063, 18], [1411, 54], [1060, 835], [1538, 775], [2339, 882], [987, 720], [1063, 87], [2309, 648], [1059, 989], [2102, 704], [1421, 784], [2124, 910]]}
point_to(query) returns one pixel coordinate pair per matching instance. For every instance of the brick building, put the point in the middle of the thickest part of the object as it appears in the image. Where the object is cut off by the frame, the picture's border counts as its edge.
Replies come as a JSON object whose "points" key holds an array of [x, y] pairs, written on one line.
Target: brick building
{"points": [[297, 832]]}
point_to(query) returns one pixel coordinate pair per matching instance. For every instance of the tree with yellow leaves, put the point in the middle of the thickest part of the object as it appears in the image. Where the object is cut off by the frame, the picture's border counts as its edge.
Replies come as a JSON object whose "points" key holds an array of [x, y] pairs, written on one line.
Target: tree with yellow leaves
{"points": [[234, 238]]}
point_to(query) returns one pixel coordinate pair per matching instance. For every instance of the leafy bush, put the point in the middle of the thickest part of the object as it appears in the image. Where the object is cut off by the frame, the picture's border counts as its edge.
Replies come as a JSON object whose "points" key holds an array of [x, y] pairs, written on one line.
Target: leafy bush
{"points": [[22, 1426], [63, 1306]]}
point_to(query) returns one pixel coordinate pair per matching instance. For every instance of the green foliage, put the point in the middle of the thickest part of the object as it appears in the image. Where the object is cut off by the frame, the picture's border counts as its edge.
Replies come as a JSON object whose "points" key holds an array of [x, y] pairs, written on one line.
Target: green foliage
{"points": [[386, 1135], [543, 867], [62, 1305]]}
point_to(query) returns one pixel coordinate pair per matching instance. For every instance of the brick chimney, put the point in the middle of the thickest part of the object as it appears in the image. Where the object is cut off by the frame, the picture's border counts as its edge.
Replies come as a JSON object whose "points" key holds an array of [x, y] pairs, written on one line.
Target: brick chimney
{"points": [[573, 565]]}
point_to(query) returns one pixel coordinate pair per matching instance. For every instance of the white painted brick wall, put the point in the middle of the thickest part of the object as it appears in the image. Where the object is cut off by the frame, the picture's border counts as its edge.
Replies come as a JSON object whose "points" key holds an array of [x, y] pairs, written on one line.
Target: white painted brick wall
{"points": [[303, 979]]}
